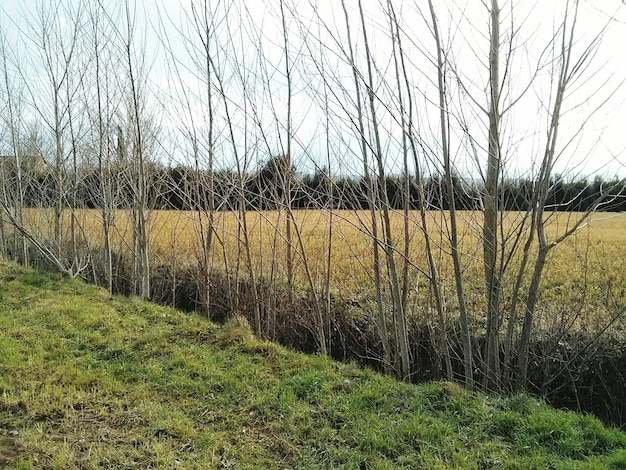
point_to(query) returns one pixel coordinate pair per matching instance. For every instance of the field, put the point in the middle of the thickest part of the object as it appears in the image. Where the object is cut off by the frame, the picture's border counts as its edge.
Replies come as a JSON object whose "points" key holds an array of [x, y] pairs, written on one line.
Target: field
{"points": [[587, 270], [89, 380]]}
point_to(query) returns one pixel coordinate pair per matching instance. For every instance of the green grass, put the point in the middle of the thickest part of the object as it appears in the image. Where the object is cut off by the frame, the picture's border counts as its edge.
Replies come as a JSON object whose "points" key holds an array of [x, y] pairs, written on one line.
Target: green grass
{"points": [[90, 381]]}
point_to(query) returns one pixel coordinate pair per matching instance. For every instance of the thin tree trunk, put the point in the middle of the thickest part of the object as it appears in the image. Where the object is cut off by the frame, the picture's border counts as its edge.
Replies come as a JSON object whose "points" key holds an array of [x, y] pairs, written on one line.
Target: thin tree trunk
{"points": [[138, 150], [104, 170], [542, 189], [490, 200], [454, 232], [20, 246], [510, 330], [382, 321], [331, 211], [531, 303], [388, 247]]}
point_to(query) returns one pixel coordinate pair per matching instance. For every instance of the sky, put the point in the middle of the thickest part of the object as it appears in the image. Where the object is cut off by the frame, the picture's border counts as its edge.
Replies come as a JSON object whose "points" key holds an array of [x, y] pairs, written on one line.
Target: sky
{"points": [[248, 53]]}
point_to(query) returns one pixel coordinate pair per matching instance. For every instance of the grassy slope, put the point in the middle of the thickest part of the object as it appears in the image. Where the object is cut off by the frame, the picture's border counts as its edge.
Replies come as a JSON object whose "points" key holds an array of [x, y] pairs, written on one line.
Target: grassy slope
{"points": [[88, 381]]}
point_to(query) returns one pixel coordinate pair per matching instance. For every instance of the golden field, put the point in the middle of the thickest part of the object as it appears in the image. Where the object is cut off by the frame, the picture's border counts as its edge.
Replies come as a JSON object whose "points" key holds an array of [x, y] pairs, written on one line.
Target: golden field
{"points": [[588, 264]]}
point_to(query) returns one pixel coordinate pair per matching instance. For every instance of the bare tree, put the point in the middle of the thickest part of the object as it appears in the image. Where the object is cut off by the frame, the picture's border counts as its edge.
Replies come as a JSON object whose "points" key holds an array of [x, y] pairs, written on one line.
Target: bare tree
{"points": [[382, 320], [55, 50], [454, 230], [59, 55], [389, 245], [12, 188], [568, 68], [491, 208], [134, 146], [102, 98]]}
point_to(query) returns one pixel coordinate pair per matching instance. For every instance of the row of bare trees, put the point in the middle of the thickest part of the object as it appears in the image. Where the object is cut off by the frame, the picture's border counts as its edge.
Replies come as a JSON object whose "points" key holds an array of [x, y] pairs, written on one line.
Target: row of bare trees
{"points": [[416, 89]]}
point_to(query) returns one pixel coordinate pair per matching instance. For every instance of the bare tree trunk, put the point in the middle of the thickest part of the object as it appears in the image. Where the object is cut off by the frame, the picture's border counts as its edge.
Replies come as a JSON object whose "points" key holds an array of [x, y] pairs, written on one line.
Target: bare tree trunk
{"points": [[59, 176], [103, 159], [454, 232], [72, 200], [331, 211], [490, 201], [140, 203], [3, 205], [203, 25], [289, 221], [241, 210], [406, 180], [510, 372], [382, 321], [16, 204], [566, 72], [388, 247]]}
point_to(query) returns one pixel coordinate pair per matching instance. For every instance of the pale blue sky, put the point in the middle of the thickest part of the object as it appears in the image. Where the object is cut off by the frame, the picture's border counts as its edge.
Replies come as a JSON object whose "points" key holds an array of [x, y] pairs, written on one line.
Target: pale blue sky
{"points": [[599, 148]]}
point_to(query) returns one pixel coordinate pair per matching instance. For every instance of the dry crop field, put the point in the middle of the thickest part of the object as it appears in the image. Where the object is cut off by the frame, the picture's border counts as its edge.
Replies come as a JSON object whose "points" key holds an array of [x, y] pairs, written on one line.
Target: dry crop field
{"points": [[587, 271]]}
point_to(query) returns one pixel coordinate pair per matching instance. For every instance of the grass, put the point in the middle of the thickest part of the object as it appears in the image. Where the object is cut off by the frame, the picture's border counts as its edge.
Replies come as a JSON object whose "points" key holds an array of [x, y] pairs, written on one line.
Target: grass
{"points": [[93, 381]]}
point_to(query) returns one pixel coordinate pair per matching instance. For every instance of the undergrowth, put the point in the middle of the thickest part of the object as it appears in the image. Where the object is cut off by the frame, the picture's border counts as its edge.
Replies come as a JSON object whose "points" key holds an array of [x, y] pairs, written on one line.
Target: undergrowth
{"points": [[93, 381]]}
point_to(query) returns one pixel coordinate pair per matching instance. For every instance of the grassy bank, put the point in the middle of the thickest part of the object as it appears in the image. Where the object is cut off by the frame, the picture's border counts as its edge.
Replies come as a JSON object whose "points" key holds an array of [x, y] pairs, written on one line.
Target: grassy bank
{"points": [[89, 381]]}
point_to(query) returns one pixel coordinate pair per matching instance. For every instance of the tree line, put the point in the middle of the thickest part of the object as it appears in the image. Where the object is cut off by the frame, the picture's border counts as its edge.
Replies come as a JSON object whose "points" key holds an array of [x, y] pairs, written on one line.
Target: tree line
{"points": [[169, 189]]}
